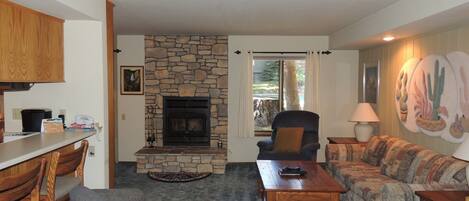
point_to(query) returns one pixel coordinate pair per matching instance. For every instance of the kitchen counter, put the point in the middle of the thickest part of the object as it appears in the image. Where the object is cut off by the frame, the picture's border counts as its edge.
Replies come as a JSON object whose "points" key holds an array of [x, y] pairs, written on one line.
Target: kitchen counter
{"points": [[17, 151], [12, 136]]}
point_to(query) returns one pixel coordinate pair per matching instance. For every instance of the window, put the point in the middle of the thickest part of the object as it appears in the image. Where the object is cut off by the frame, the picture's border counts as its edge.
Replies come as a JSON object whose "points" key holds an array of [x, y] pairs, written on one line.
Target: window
{"points": [[278, 85]]}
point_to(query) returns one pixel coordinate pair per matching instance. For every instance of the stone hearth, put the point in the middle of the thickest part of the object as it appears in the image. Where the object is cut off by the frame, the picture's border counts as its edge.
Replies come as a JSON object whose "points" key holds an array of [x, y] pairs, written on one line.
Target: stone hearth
{"points": [[185, 66], [176, 159]]}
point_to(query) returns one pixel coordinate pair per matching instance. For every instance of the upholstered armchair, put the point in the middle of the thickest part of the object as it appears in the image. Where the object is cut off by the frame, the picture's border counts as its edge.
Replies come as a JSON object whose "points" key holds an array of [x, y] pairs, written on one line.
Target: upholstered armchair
{"points": [[308, 120]]}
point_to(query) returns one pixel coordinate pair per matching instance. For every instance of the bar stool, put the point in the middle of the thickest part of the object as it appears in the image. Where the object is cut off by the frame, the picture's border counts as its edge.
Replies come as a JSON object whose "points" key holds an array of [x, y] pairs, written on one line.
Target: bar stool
{"points": [[65, 173], [24, 186]]}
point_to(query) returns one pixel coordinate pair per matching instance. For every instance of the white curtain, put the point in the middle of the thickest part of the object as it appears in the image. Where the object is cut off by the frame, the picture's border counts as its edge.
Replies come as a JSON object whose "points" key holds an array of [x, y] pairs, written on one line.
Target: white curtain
{"points": [[312, 65], [246, 108]]}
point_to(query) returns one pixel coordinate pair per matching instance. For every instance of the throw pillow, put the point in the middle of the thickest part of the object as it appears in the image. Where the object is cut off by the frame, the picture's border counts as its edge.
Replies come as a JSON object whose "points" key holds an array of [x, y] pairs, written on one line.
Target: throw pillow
{"points": [[288, 140], [375, 150]]}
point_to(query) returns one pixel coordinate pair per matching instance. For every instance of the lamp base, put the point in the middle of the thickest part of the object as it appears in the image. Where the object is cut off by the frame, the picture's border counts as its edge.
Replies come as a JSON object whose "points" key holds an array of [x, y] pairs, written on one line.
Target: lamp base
{"points": [[363, 131]]}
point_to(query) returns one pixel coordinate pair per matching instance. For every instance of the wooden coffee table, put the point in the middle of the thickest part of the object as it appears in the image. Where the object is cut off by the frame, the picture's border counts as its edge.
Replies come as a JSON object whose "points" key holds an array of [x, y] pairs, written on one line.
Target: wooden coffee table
{"points": [[316, 185]]}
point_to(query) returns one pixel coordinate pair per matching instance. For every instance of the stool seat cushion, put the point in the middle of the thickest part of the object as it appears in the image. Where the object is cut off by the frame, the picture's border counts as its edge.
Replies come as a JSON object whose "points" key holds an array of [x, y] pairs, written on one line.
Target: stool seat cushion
{"points": [[63, 185]]}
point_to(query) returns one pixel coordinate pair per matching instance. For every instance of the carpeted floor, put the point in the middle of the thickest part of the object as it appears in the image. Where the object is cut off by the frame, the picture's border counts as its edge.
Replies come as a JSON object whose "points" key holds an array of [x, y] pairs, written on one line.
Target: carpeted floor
{"points": [[237, 184]]}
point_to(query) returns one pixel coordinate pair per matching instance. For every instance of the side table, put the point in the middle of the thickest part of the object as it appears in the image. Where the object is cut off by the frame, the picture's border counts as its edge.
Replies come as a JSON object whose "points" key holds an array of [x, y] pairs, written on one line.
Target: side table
{"points": [[442, 195]]}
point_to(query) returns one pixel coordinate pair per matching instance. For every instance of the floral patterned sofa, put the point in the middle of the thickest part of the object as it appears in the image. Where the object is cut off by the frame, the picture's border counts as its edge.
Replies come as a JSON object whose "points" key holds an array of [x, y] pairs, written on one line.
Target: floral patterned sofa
{"points": [[391, 169]]}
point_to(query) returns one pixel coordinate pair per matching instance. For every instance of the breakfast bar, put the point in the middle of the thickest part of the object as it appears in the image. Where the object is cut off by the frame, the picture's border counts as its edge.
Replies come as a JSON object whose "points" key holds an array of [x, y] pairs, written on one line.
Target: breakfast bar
{"points": [[16, 154]]}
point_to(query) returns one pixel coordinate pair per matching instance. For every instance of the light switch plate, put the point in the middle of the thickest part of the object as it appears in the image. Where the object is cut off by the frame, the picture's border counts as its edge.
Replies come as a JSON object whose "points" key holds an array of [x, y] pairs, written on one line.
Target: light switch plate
{"points": [[16, 113]]}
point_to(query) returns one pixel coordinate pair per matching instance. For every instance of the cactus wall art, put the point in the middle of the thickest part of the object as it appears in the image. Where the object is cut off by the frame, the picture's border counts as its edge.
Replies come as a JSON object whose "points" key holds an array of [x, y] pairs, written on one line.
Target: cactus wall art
{"points": [[403, 96], [460, 126], [426, 98], [428, 109]]}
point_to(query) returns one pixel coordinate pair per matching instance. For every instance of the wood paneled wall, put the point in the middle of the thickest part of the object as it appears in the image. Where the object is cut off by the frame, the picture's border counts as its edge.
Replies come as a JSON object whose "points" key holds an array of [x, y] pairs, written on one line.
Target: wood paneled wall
{"points": [[392, 56]]}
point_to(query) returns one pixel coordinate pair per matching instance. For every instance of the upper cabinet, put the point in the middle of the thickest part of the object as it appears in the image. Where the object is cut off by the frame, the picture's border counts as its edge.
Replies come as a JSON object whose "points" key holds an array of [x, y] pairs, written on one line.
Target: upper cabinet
{"points": [[31, 45]]}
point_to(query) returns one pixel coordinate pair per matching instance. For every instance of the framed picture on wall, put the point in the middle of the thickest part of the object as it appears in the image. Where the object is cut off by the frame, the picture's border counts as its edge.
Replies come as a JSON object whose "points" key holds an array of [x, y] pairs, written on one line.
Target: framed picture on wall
{"points": [[131, 80], [371, 82]]}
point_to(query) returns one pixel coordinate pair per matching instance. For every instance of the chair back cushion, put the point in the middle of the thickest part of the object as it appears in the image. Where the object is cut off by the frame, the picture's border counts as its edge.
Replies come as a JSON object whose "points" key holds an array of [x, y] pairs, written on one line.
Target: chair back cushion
{"points": [[294, 118], [288, 140]]}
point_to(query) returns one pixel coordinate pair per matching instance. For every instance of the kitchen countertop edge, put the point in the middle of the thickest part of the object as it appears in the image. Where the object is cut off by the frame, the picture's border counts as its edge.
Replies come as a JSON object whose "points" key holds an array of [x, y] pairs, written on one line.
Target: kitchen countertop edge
{"points": [[18, 151]]}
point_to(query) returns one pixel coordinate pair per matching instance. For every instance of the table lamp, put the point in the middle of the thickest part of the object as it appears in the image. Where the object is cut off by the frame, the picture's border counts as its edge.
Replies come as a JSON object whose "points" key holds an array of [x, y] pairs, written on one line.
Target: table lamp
{"points": [[463, 153], [363, 115]]}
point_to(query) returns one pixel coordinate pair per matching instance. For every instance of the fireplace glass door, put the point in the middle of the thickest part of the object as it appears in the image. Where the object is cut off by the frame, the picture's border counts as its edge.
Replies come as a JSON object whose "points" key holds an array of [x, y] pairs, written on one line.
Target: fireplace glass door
{"points": [[186, 121]]}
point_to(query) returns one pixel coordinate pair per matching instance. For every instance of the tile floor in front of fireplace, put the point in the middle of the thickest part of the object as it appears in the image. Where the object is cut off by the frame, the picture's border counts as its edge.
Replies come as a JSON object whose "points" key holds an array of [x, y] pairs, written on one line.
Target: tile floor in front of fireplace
{"points": [[237, 184]]}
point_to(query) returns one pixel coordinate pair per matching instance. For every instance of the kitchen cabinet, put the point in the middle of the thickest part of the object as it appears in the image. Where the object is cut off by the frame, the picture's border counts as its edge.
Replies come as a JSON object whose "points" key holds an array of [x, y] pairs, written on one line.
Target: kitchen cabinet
{"points": [[31, 45]]}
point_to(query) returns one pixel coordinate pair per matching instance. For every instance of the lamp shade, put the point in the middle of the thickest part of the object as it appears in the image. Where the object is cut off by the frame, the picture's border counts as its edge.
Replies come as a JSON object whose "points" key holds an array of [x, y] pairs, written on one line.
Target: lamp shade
{"points": [[364, 113], [463, 150]]}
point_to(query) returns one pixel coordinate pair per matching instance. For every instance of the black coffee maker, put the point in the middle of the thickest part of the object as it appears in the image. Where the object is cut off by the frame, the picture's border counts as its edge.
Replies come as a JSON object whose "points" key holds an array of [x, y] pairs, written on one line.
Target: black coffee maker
{"points": [[32, 119]]}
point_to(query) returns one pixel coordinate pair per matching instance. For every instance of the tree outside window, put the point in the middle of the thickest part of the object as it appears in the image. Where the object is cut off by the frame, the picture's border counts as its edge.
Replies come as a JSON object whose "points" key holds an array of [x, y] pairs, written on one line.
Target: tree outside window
{"points": [[278, 85]]}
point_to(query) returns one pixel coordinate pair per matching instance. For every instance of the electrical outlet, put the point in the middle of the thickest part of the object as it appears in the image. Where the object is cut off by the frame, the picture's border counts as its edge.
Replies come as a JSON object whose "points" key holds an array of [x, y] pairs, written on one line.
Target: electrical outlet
{"points": [[16, 113], [123, 116], [91, 151]]}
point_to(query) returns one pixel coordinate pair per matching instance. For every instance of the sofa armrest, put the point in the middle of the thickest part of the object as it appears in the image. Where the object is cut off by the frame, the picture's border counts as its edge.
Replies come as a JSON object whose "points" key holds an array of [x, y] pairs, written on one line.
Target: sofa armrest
{"points": [[406, 192], [344, 152], [265, 145]]}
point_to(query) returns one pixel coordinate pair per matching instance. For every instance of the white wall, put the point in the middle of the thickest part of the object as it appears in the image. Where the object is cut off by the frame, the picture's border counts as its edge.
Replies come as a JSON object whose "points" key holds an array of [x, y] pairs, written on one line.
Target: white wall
{"points": [[338, 84], [82, 93], [337, 94], [131, 130]]}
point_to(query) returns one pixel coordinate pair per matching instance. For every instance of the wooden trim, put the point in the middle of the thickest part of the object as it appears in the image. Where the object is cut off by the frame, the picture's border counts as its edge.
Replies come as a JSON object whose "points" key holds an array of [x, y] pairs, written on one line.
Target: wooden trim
{"points": [[31, 10], [51, 177], [262, 133], [2, 117], [111, 91]]}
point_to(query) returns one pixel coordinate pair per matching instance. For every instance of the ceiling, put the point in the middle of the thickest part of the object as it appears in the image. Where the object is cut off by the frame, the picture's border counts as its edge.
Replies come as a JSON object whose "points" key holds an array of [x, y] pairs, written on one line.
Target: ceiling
{"points": [[243, 17]]}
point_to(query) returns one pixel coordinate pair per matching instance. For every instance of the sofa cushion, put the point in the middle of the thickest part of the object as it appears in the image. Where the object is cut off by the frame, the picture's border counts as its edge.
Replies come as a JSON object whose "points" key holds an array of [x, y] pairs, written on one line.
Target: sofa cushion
{"points": [[371, 188], [376, 149], [349, 172], [363, 179], [429, 167], [398, 158]]}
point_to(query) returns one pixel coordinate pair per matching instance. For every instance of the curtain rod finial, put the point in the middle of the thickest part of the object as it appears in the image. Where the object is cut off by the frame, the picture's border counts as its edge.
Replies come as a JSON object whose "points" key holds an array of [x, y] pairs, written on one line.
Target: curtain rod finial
{"points": [[237, 52]]}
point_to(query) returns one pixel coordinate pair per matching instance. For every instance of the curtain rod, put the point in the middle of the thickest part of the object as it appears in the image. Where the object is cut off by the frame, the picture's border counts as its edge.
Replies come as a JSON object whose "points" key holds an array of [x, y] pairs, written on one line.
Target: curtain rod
{"points": [[327, 52]]}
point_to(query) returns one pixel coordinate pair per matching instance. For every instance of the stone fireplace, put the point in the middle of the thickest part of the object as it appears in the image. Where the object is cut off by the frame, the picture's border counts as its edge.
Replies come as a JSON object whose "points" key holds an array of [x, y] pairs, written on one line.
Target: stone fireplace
{"points": [[186, 97]]}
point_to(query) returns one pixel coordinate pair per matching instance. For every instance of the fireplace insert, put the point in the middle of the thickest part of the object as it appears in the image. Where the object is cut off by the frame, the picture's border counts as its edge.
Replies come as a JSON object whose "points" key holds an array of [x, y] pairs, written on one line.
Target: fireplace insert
{"points": [[186, 121]]}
